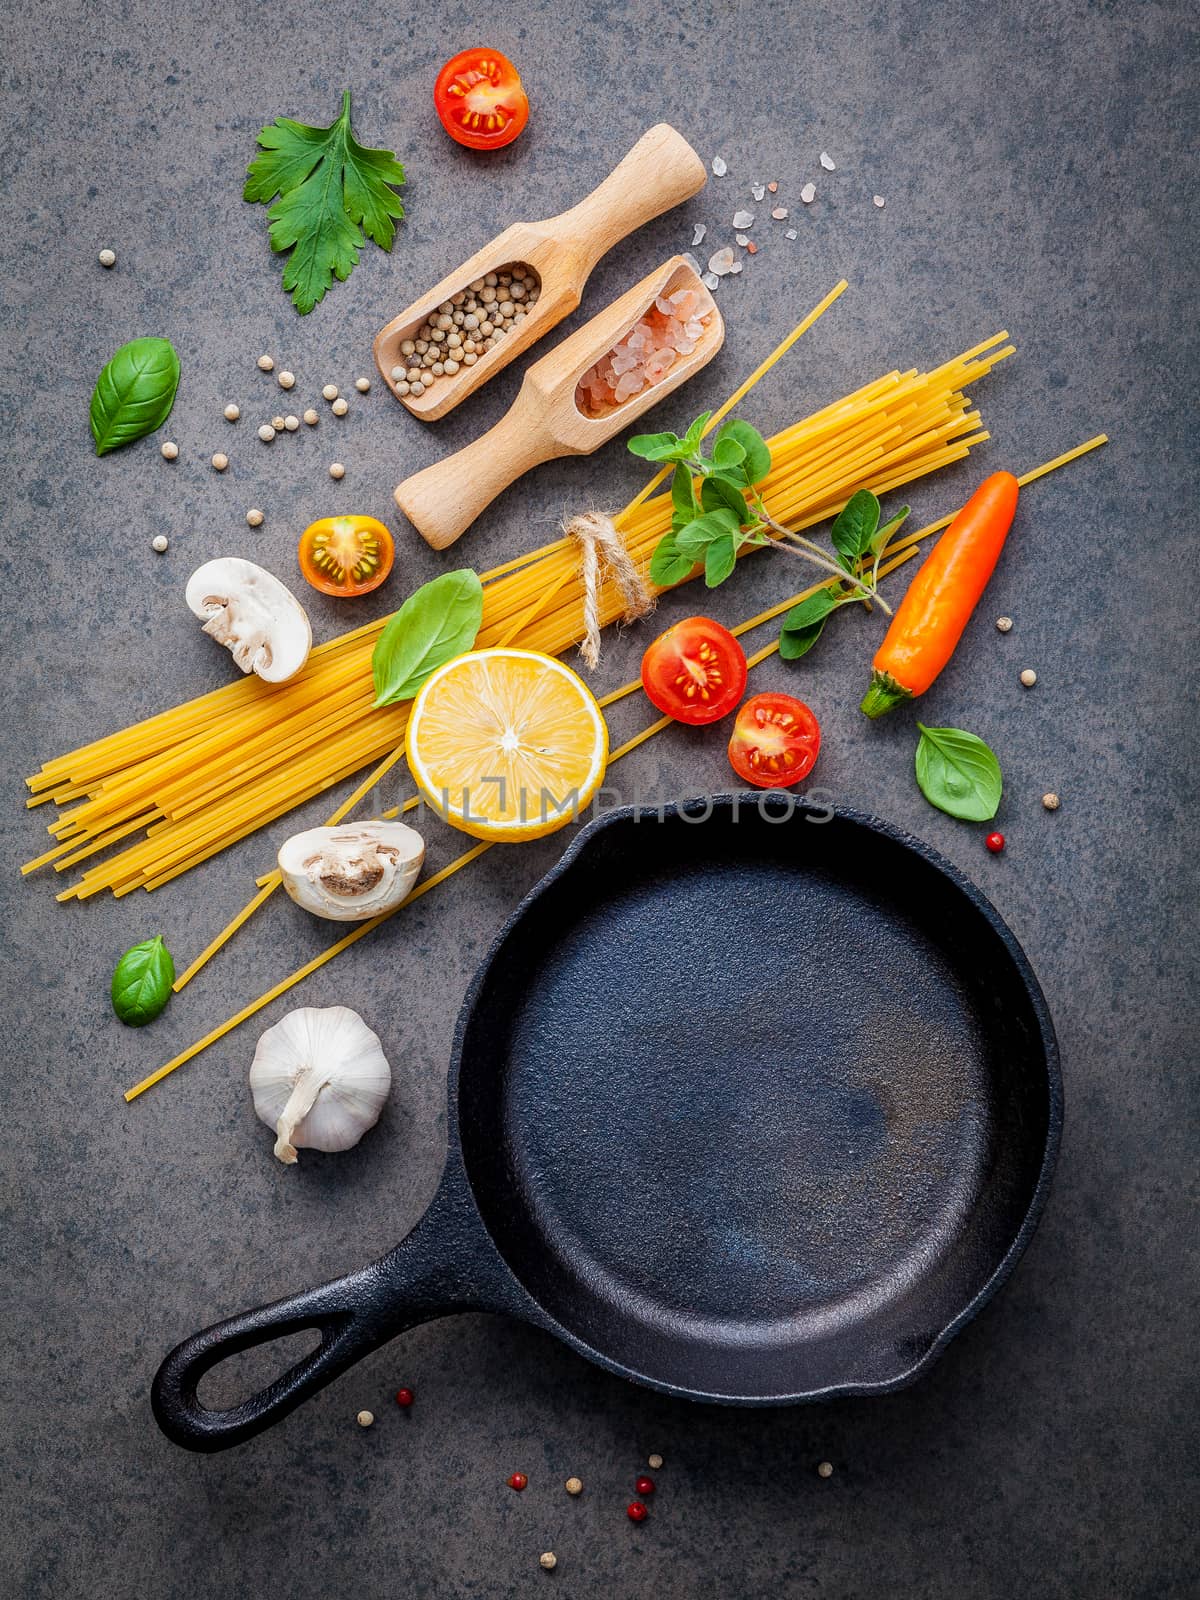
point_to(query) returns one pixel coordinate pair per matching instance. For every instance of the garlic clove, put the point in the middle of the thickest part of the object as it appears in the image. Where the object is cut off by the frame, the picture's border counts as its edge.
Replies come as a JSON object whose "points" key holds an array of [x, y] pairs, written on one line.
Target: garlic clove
{"points": [[319, 1079], [257, 618], [354, 871]]}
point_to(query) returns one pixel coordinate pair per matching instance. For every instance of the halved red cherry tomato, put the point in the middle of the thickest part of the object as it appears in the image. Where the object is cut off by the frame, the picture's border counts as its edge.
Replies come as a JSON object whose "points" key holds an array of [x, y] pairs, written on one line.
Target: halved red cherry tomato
{"points": [[695, 672], [775, 741], [480, 99], [346, 555]]}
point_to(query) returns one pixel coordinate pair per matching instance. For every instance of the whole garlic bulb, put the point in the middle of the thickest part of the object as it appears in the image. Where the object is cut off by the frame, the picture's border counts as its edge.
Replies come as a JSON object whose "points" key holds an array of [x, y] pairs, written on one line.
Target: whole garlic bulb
{"points": [[319, 1078]]}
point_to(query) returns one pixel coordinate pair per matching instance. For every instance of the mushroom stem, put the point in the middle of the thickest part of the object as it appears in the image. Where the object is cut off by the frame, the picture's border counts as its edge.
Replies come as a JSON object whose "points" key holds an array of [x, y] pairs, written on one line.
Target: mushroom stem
{"points": [[300, 1102]]}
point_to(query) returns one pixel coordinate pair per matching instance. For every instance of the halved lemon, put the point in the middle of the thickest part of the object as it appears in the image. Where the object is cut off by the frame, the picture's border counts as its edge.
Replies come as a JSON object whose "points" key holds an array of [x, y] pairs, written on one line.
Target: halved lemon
{"points": [[507, 745]]}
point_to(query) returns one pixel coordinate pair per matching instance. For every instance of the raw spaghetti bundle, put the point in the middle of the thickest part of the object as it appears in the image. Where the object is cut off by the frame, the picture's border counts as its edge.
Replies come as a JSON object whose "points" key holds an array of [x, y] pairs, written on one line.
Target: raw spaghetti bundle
{"points": [[185, 784]]}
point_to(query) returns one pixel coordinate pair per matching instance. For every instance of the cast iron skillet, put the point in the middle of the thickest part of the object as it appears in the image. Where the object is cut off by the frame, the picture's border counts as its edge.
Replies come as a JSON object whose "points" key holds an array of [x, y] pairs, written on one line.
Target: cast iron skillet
{"points": [[746, 1109]]}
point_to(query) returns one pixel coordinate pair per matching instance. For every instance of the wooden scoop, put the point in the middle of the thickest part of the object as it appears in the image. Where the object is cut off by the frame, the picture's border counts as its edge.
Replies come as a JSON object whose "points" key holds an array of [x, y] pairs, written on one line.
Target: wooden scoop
{"points": [[659, 172], [544, 421]]}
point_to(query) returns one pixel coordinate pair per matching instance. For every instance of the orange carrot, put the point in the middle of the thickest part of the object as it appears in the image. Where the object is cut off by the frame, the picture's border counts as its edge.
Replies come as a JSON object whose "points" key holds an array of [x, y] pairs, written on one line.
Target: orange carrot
{"points": [[930, 619]]}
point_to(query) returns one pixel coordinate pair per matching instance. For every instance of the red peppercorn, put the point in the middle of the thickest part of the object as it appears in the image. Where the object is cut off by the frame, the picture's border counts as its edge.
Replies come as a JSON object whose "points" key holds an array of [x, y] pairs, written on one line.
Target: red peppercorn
{"points": [[517, 1481], [644, 1486], [636, 1511], [995, 843], [405, 1398]]}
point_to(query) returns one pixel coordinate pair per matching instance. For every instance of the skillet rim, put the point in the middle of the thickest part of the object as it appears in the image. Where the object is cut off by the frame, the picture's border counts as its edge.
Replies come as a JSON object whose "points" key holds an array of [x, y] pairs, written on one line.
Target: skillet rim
{"points": [[1051, 1057]]}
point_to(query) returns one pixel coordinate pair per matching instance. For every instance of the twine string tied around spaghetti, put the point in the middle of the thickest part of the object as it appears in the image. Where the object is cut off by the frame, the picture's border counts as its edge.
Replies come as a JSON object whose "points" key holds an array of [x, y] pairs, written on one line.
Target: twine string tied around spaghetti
{"points": [[603, 554]]}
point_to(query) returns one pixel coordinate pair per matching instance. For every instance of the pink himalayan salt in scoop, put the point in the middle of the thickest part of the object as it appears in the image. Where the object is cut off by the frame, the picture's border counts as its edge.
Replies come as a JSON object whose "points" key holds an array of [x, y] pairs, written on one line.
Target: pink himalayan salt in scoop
{"points": [[671, 328]]}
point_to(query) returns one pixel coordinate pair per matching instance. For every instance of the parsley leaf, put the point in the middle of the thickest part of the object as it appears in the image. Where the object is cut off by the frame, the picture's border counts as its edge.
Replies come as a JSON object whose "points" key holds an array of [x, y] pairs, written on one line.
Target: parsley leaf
{"points": [[331, 190]]}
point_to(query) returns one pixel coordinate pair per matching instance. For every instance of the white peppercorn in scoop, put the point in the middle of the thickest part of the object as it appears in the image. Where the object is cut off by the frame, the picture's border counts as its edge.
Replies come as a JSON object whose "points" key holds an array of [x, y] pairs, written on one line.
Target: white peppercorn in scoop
{"points": [[544, 422], [659, 172]]}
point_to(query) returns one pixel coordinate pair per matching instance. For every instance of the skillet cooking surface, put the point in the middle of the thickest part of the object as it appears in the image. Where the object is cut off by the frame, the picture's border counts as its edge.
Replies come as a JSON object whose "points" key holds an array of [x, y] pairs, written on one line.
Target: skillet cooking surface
{"points": [[755, 1109]]}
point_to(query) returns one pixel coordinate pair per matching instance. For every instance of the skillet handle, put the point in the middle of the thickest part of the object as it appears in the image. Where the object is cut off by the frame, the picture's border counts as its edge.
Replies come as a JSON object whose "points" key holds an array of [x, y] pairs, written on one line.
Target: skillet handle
{"points": [[439, 1268]]}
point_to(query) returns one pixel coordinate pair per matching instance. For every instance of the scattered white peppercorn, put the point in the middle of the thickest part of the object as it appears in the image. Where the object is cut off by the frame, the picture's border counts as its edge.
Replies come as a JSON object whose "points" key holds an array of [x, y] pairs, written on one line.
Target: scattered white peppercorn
{"points": [[278, 424], [1029, 677], [170, 450], [287, 380], [159, 543], [330, 391], [266, 364], [291, 423], [232, 413], [311, 417], [266, 433], [1051, 801], [220, 461], [108, 258], [547, 1561], [654, 1461], [340, 407], [336, 469], [574, 1486], [362, 385], [254, 517], [824, 1469], [365, 1419], [1004, 624]]}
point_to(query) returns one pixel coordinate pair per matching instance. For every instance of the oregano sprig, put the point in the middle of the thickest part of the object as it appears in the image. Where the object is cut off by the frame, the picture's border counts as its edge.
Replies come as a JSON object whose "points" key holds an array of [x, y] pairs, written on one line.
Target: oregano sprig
{"points": [[711, 528]]}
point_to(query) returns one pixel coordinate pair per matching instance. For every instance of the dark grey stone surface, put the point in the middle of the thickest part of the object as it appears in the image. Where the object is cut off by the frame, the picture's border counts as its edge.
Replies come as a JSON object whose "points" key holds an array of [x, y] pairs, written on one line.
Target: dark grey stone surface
{"points": [[1032, 156]]}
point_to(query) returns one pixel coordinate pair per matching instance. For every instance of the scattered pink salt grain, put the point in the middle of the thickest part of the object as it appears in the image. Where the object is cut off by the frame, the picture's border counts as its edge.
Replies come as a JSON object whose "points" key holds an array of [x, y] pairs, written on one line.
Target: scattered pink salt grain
{"points": [[809, 193], [779, 213], [827, 161], [698, 234], [671, 328], [719, 167], [721, 262], [742, 239], [743, 219], [773, 187], [879, 201]]}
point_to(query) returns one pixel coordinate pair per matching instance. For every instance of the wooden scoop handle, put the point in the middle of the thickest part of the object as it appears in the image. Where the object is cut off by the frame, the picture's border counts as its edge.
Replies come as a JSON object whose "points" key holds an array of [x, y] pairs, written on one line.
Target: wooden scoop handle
{"points": [[661, 171], [443, 501]]}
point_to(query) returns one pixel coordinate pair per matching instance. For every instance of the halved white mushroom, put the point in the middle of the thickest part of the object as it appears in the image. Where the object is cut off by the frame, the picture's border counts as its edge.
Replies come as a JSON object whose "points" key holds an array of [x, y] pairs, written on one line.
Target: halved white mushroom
{"points": [[354, 871], [257, 618]]}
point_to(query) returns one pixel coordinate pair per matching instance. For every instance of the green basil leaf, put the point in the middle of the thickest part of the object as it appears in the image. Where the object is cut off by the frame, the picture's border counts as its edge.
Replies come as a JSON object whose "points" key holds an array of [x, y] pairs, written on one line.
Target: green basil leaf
{"points": [[727, 453], [683, 498], [698, 534], [436, 623], [141, 984], [798, 642], [852, 531], [134, 393], [958, 773], [719, 560], [667, 566], [655, 446], [886, 529], [757, 462], [719, 493]]}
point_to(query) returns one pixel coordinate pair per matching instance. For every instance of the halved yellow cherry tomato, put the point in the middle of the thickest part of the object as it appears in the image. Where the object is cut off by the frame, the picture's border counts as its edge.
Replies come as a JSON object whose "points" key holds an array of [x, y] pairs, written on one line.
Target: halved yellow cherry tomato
{"points": [[346, 556]]}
